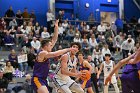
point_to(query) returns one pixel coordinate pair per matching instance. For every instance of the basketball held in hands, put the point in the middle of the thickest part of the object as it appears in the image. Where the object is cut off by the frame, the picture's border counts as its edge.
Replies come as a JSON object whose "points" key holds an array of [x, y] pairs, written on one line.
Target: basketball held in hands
{"points": [[85, 75]]}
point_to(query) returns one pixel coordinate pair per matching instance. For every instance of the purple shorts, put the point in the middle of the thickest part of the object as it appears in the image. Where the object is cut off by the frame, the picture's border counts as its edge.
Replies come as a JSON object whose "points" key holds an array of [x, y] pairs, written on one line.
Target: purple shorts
{"points": [[88, 84], [38, 82]]}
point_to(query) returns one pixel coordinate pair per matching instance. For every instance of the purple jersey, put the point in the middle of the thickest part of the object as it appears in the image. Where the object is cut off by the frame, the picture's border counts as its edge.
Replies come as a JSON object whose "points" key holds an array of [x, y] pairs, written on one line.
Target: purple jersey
{"points": [[88, 84], [131, 67], [41, 69]]}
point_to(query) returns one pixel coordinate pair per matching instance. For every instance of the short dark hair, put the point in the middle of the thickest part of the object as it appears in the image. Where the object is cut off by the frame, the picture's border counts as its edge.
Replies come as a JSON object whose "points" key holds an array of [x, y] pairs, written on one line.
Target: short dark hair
{"points": [[45, 42], [76, 43], [107, 54]]}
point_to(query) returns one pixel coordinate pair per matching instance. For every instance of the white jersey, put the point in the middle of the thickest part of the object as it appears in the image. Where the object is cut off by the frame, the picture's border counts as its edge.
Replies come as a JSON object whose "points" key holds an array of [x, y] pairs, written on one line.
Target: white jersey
{"points": [[108, 68], [71, 64]]}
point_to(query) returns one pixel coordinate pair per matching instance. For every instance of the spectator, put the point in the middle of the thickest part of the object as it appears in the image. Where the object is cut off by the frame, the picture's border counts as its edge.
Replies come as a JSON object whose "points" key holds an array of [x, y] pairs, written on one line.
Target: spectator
{"points": [[37, 26], [114, 28], [77, 38], [85, 47], [72, 20], [77, 32], [19, 18], [12, 57], [50, 17], [8, 41], [45, 34], [93, 72], [26, 45], [3, 83], [10, 12], [13, 23], [23, 65], [33, 16], [19, 36], [105, 50], [97, 55], [127, 46], [92, 42], [101, 29], [70, 34], [8, 71], [60, 33], [25, 14], [65, 24], [29, 27], [35, 44], [31, 58], [2, 24]]}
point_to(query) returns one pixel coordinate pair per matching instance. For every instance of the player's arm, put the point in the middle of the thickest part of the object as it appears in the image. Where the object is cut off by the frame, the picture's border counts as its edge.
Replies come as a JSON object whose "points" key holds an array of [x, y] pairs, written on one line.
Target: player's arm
{"points": [[64, 69], [55, 36], [116, 73], [100, 70], [59, 52], [137, 57], [86, 64], [120, 64]]}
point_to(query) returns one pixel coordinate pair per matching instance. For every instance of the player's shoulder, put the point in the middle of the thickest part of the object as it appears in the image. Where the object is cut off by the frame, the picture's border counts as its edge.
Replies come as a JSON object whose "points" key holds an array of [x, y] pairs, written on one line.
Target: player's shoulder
{"points": [[64, 56]]}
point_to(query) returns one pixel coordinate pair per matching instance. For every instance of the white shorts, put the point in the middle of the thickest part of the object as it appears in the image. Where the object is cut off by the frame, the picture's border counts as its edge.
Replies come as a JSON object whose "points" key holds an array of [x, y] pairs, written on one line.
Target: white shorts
{"points": [[113, 79], [68, 86], [59, 82]]}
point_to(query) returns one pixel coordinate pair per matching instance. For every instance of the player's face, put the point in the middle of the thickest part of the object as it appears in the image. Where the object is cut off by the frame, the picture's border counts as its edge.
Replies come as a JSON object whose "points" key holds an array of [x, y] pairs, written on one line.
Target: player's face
{"points": [[75, 51], [49, 47], [80, 56], [107, 58]]}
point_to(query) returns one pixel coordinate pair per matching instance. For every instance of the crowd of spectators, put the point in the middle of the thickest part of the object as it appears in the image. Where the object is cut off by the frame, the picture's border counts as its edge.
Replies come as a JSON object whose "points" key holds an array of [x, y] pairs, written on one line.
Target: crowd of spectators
{"points": [[115, 38]]}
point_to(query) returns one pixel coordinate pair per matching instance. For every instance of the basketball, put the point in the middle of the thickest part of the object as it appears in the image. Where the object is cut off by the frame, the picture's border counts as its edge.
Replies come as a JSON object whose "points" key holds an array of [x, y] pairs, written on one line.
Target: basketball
{"points": [[85, 75]]}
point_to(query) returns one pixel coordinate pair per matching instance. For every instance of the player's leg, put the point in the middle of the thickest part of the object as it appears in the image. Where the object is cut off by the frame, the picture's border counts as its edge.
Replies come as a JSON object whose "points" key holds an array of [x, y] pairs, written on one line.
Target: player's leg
{"points": [[114, 82], [105, 86], [42, 89], [90, 90], [76, 88]]}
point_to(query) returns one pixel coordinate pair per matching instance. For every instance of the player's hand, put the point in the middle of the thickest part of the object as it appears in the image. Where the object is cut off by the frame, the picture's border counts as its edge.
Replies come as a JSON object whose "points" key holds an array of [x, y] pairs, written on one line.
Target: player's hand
{"points": [[74, 49], [108, 79], [56, 23], [78, 75]]}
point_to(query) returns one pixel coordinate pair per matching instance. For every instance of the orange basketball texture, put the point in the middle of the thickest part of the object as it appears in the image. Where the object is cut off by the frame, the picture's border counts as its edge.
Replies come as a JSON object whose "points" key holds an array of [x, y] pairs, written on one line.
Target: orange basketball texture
{"points": [[85, 75]]}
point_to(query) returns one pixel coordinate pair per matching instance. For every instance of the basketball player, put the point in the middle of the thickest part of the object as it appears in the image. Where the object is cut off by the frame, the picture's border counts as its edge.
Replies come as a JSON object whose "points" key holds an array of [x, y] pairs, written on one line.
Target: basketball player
{"points": [[84, 65], [41, 66], [136, 58], [131, 74], [65, 69], [108, 66]]}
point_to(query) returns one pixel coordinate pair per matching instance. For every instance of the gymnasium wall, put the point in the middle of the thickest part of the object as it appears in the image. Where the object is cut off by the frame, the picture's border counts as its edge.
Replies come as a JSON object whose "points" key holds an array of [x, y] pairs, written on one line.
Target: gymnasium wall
{"points": [[39, 6], [130, 10]]}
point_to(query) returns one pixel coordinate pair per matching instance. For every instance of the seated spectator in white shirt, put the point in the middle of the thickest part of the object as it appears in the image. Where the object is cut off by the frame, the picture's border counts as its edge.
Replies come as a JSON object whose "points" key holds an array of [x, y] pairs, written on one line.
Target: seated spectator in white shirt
{"points": [[45, 34], [65, 24], [13, 23], [105, 50], [35, 44], [60, 33], [92, 42], [101, 28], [77, 38], [97, 55]]}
